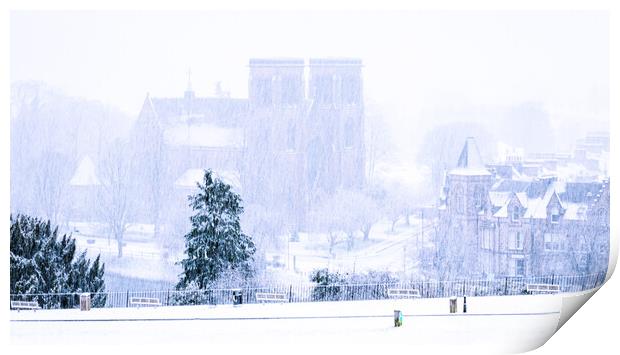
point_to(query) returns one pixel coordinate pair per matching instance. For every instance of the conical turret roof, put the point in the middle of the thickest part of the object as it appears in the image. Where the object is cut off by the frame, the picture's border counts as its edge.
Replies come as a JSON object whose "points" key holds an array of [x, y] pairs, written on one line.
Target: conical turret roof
{"points": [[470, 161]]}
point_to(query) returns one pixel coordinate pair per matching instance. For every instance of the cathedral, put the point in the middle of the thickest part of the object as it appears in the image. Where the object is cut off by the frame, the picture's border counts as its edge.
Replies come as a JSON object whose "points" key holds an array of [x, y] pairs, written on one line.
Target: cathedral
{"points": [[299, 135]]}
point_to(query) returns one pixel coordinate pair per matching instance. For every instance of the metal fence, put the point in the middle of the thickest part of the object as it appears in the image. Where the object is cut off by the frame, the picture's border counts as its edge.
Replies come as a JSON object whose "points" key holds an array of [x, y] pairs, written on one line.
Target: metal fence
{"points": [[314, 293]]}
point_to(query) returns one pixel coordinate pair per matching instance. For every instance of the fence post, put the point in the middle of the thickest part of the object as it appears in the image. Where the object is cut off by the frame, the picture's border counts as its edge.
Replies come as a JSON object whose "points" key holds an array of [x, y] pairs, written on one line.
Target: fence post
{"points": [[506, 286], [290, 293], [552, 279], [168, 297], [127, 304]]}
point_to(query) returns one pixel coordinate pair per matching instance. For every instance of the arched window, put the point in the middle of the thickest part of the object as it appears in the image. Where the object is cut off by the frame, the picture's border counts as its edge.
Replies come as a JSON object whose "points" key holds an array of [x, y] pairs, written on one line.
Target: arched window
{"points": [[290, 136], [324, 88], [291, 90], [351, 89], [262, 91], [479, 197]]}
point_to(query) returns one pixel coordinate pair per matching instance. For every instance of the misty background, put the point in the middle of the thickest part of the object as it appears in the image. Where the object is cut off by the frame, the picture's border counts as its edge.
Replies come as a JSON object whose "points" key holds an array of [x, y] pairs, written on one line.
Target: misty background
{"points": [[530, 81], [421, 69]]}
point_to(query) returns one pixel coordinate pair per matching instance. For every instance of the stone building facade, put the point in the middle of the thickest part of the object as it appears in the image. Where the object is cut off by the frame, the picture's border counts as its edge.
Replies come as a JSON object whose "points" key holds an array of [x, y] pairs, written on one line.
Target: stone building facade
{"points": [[491, 226], [299, 134]]}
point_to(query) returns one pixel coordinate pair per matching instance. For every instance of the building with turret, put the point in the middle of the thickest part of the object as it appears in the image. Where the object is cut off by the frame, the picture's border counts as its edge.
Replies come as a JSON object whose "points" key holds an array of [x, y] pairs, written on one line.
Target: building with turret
{"points": [[492, 226]]}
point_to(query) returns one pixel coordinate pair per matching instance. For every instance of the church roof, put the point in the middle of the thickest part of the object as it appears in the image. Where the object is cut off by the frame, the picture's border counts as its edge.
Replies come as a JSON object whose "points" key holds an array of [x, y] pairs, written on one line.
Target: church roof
{"points": [[200, 108], [191, 177], [203, 135]]}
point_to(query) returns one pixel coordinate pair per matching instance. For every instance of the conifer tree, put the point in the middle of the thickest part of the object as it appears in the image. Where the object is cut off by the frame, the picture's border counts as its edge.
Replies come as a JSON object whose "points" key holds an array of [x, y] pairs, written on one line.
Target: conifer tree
{"points": [[42, 263], [216, 245]]}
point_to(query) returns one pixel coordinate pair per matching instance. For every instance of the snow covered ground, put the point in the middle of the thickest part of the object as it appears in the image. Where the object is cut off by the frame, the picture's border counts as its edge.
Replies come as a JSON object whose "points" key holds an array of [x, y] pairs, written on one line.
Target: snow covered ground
{"points": [[384, 251], [496, 324], [143, 258]]}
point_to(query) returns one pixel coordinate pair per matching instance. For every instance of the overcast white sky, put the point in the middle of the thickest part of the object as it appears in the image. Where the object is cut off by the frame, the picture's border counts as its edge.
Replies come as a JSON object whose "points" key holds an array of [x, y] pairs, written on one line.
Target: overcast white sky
{"points": [[413, 60]]}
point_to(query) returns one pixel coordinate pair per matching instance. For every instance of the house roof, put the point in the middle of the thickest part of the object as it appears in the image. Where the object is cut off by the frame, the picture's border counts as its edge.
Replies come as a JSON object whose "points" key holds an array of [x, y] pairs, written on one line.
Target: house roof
{"points": [[535, 196], [85, 174], [499, 198], [522, 198]]}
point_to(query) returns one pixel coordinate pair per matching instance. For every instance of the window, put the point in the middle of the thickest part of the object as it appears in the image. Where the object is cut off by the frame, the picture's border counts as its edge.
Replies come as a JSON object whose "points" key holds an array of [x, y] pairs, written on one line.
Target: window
{"points": [[583, 260], [290, 137], [324, 89], [554, 242], [516, 241], [348, 133], [515, 214], [350, 89], [479, 197], [520, 267], [583, 244], [291, 90], [486, 239], [555, 215], [459, 199], [263, 92]]}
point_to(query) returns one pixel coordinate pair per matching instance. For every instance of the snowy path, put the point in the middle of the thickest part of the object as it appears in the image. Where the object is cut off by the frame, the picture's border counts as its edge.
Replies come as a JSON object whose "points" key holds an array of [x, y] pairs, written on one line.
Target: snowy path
{"points": [[515, 323], [386, 254]]}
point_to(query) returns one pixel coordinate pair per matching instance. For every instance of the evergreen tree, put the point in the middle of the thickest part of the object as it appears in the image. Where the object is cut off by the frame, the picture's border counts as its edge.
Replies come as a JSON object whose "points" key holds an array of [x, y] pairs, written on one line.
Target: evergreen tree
{"points": [[216, 244], [41, 263]]}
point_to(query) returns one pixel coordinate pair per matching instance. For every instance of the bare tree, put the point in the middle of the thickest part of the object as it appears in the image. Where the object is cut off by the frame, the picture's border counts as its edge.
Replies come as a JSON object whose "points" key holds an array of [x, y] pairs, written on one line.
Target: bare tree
{"points": [[325, 218], [116, 201], [357, 211], [265, 225], [153, 169], [378, 141], [448, 256], [51, 181]]}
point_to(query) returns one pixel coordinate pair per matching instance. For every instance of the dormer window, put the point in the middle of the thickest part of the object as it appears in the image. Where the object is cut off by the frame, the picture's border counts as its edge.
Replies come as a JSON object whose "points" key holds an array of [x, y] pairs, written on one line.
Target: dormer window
{"points": [[515, 214], [555, 215]]}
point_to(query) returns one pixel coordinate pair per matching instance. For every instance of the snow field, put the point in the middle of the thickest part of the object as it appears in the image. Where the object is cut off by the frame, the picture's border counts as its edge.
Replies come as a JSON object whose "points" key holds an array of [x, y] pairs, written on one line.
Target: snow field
{"points": [[504, 324]]}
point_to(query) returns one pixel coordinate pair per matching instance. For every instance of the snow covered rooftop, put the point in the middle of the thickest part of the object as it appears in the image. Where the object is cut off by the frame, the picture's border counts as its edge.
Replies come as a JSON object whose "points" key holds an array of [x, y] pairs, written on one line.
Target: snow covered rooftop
{"points": [[499, 198], [204, 135], [85, 174], [573, 198], [210, 108], [575, 211]]}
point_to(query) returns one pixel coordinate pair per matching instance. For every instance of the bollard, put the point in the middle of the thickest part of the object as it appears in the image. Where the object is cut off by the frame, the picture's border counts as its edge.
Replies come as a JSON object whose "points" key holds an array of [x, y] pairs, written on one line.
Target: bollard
{"points": [[398, 318], [85, 302], [237, 297], [453, 304], [464, 304]]}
